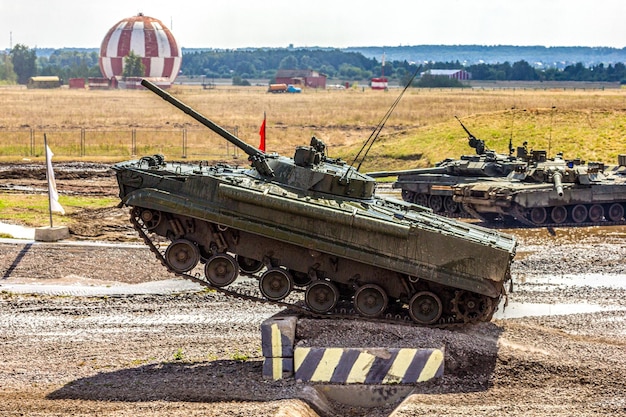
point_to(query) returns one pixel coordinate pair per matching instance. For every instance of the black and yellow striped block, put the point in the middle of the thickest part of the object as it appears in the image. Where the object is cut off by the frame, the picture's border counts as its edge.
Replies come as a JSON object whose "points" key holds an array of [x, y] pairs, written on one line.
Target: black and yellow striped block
{"points": [[277, 368], [368, 366], [278, 334]]}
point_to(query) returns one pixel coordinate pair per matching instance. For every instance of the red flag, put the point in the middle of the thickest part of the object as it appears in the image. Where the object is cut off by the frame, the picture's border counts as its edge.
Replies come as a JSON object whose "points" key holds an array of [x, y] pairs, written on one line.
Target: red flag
{"points": [[262, 133]]}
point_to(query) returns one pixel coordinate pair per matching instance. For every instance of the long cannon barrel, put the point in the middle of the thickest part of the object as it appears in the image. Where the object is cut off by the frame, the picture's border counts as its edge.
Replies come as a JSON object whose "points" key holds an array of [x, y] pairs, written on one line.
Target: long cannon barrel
{"points": [[250, 150], [558, 185], [416, 171], [256, 156]]}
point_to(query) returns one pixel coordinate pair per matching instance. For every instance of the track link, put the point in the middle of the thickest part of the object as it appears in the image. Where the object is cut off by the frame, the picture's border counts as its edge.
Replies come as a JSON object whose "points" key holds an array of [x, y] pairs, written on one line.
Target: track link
{"points": [[342, 311]]}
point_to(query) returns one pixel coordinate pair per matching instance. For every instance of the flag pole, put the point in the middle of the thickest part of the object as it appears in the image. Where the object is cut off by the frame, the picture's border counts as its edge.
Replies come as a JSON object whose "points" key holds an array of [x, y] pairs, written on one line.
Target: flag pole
{"points": [[45, 142]]}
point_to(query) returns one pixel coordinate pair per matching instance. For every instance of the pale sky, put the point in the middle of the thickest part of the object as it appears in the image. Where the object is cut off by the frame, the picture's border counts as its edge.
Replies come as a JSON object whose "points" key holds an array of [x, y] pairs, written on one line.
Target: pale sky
{"points": [[325, 23]]}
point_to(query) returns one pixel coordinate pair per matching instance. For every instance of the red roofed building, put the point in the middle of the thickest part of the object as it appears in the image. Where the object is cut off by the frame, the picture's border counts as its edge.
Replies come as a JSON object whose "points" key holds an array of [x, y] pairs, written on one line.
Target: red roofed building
{"points": [[303, 78]]}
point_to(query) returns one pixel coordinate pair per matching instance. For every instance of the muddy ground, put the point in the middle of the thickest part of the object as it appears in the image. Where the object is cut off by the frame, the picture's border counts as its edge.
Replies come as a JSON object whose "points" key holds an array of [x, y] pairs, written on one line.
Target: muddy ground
{"points": [[558, 349]]}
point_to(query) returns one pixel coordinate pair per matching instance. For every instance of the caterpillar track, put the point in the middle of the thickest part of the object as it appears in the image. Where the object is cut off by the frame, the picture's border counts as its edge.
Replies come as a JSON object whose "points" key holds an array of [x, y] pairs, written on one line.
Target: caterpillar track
{"points": [[463, 308]]}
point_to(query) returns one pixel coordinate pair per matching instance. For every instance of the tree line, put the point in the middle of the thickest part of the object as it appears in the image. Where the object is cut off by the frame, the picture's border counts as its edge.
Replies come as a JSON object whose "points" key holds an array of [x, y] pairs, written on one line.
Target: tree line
{"points": [[22, 62]]}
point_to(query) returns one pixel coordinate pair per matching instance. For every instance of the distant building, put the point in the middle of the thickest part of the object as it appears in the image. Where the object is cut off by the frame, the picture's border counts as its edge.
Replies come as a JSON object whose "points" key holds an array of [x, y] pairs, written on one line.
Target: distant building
{"points": [[380, 83], [303, 78], [77, 83], [457, 74], [44, 82]]}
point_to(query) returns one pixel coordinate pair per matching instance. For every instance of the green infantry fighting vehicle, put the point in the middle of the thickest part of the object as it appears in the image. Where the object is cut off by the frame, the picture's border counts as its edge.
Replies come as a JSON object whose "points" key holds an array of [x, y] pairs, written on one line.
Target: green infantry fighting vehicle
{"points": [[314, 234]]}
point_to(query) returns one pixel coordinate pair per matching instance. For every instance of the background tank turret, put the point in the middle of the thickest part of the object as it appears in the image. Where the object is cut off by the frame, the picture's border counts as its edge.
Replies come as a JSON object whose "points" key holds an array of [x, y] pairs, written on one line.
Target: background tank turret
{"points": [[433, 187], [314, 235], [551, 193]]}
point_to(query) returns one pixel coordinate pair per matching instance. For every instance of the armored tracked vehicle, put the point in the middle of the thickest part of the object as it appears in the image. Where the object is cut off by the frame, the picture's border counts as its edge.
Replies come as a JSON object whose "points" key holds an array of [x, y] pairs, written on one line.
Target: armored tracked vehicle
{"points": [[551, 193], [433, 187], [313, 234]]}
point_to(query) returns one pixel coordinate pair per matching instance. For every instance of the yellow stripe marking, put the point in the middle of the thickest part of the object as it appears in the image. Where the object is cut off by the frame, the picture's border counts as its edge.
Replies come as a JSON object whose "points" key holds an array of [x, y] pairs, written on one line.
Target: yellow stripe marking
{"points": [[400, 365], [277, 353], [299, 355], [277, 346], [361, 368], [432, 365], [327, 364]]}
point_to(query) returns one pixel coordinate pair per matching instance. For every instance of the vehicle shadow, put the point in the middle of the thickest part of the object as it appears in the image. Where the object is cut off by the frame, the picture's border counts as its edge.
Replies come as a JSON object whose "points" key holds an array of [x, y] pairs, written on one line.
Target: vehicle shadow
{"points": [[470, 359], [215, 381]]}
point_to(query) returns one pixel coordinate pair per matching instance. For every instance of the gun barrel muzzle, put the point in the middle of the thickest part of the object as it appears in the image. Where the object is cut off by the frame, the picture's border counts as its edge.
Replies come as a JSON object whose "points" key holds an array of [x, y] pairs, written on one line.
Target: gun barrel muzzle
{"points": [[558, 185]]}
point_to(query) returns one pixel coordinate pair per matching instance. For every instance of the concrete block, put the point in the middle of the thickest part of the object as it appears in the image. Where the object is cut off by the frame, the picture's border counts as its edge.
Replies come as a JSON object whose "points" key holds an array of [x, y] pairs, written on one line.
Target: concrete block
{"points": [[367, 365], [277, 368], [278, 334], [51, 234]]}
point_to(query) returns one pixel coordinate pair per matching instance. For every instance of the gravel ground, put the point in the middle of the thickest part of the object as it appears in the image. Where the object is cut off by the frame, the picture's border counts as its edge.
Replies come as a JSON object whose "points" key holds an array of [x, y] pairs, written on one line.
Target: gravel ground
{"points": [[198, 353]]}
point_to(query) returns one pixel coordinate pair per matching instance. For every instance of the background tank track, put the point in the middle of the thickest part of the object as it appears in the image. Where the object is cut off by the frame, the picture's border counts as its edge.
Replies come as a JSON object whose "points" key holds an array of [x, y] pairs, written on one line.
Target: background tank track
{"points": [[522, 216], [343, 310], [442, 209]]}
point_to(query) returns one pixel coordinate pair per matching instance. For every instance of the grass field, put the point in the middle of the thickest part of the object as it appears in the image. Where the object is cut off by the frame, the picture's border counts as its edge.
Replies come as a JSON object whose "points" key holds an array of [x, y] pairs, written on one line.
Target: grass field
{"points": [[589, 124]]}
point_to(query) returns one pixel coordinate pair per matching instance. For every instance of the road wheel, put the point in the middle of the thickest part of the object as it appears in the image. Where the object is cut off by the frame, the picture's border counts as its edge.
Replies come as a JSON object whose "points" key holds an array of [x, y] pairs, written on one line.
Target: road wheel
{"points": [[559, 214], [221, 270], [450, 205], [435, 202], [370, 300], [321, 296], [538, 215], [420, 199], [182, 255], [275, 284], [425, 307], [596, 213], [249, 265], [615, 212], [579, 213]]}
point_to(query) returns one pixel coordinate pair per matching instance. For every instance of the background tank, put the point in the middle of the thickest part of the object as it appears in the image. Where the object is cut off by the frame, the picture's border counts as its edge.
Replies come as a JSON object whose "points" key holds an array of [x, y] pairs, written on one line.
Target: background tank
{"points": [[313, 233], [551, 193], [433, 187]]}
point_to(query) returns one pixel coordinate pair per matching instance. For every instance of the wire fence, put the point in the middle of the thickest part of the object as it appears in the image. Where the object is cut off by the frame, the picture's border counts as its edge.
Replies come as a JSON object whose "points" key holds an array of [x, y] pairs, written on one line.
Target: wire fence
{"points": [[85, 143]]}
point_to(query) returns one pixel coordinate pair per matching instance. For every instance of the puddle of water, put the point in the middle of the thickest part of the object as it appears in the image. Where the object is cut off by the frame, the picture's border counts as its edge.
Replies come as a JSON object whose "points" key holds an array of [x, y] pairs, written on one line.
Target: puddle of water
{"points": [[18, 232], [614, 281], [516, 310]]}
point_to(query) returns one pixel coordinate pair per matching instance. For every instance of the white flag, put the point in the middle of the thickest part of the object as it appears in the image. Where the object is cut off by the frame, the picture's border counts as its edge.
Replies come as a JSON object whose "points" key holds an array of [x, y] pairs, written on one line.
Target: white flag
{"points": [[52, 186]]}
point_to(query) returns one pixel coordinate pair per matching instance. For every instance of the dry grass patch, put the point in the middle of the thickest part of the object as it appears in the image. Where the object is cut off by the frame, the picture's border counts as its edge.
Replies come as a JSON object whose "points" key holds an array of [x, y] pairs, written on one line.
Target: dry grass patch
{"points": [[421, 131]]}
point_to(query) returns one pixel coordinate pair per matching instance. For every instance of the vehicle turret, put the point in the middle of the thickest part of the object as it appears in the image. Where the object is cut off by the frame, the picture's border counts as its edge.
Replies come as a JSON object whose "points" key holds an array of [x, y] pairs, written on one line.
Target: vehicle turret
{"points": [[310, 171]]}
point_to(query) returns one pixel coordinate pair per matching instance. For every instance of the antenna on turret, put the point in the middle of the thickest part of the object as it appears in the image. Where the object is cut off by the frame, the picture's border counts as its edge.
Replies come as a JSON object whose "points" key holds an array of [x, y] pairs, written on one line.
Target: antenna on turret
{"points": [[550, 137], [372, 138], [511, 132]]}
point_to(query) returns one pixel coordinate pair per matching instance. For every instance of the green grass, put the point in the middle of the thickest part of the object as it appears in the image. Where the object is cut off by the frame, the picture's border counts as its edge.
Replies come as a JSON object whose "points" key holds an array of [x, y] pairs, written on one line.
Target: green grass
{"points": [[32, 209], [591, 136]]}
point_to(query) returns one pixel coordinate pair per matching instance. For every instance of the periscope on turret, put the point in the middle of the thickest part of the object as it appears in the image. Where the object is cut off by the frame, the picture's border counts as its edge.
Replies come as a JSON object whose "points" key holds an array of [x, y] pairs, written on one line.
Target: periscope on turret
{"points": [[314, 224]]}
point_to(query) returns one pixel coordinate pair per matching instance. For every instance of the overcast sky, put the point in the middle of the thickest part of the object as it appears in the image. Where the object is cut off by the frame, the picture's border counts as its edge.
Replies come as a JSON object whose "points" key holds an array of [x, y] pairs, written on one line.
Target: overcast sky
{"points": [[326, 23]]}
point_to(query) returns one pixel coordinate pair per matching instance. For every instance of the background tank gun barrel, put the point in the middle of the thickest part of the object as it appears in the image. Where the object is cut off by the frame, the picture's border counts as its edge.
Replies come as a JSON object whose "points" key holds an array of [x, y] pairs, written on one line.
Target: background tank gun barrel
{"points": [[558, 185], [474, 142], [256, 156], [433, 170]]}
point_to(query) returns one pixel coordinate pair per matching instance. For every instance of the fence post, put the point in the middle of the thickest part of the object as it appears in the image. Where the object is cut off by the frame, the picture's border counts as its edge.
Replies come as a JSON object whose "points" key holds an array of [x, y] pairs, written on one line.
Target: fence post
{"points": [[133, 142], [82, 142], [32, 142], [184, 142]]}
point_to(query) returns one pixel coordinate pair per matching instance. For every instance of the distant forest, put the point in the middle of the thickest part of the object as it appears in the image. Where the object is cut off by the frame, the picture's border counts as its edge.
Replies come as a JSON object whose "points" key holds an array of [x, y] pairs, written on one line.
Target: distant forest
{"points": [[353, 64]]}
